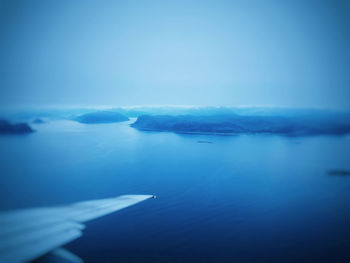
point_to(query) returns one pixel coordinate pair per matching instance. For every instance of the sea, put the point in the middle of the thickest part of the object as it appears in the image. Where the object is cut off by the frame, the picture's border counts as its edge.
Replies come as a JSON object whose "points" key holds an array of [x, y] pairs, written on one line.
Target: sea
{"points": [[238, 198]]}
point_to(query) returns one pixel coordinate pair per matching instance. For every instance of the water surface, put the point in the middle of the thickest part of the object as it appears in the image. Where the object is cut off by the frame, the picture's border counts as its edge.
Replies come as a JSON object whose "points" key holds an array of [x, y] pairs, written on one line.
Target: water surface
{"points": [[245, 198]]}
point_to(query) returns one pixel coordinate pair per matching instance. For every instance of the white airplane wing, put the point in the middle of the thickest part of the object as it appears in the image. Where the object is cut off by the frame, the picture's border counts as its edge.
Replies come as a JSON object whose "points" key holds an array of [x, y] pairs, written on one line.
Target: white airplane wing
{"points": [[29, 234]]}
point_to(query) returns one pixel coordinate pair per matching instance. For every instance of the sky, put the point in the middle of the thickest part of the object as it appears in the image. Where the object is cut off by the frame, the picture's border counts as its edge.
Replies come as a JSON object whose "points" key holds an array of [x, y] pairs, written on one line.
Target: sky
{"points": [[182, 52]]}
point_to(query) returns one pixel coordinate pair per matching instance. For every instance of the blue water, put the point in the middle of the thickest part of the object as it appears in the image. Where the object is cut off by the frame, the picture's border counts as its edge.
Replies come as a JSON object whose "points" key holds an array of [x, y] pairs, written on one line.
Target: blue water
{"points": [[256, 198]]}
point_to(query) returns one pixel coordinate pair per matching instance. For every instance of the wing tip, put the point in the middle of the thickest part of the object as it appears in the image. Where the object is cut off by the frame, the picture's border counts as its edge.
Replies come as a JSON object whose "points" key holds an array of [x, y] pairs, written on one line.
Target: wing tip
{"points": [[139, 197]]}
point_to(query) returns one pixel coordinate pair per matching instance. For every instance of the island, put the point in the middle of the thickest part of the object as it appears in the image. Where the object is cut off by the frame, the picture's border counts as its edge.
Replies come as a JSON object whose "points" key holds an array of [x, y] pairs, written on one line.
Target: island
{"points": [[233, 124], [101, 117], [17, 128], [339, 172], [38, 121]]}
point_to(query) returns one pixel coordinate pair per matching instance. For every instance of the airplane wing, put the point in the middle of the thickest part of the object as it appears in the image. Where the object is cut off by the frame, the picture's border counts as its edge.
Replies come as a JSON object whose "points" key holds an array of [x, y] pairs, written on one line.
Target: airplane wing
{"points": [[28, 234]]}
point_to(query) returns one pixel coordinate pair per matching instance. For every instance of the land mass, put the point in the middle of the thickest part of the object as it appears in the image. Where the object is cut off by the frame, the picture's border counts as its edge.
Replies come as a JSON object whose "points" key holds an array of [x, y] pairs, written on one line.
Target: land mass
{"points": [[299, 125], [339, 172], [101, 117], [38, 121], [17, 128]]}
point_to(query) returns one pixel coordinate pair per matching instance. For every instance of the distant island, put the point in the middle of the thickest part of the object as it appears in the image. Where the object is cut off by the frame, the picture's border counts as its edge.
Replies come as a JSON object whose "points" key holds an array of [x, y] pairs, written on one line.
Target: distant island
{"points": [[298, 125], [101, 117], [18, 128], [38, 121], [339, 172]]}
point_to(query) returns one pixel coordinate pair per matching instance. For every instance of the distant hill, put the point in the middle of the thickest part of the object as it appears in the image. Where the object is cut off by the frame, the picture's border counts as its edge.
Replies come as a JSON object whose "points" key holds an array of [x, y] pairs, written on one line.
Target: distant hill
{"points": [[288, 124], [137, 111], [17, 128], [101, 117]]}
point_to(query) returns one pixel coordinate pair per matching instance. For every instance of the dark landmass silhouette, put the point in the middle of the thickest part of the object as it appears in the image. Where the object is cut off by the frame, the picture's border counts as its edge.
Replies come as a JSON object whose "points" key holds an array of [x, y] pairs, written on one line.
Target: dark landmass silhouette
{"points": [[101, 117], [339, 172], [17, 128], [292, 125]]}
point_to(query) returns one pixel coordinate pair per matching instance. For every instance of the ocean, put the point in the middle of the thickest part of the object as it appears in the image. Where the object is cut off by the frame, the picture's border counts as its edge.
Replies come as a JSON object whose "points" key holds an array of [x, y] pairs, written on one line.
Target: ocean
{"points": [[241, 198]]}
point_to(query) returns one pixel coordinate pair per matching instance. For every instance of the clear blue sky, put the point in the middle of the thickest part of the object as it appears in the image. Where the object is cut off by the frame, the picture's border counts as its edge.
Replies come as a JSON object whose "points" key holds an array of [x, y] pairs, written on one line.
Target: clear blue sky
{"points": [[64, 52]]}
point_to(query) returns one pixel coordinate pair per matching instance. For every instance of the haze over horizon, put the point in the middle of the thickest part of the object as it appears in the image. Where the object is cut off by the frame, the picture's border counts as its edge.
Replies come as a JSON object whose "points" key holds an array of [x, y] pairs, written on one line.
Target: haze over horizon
{"points": [[122, 53]]}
